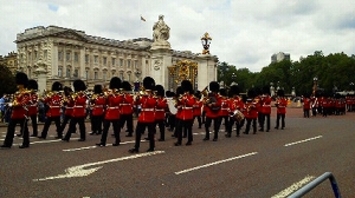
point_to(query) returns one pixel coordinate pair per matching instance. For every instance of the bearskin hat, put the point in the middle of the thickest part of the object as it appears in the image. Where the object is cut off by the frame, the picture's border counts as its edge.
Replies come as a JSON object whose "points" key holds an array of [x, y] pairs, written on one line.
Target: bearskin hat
{"points": [[214, 86], [179, 91], [57, 86], [252, 93], [281, 93], [186, 86], [67, 90], [98, 89], [148, 83], [266, 90], [115, 83], [21, 79], [169, 94], [126, 86], [79, 85], [234, 90], [32, 84], [223, 92], [198, 94], [160, 90]]}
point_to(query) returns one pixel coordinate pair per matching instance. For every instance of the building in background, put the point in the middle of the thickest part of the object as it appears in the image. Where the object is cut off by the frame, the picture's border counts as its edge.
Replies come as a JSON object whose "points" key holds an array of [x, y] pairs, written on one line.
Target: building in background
{"points": [[275, 58], [10, 60]]}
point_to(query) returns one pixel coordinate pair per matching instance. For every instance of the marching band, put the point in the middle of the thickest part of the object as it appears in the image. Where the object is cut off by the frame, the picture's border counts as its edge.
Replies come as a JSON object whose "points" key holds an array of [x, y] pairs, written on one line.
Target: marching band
{"points": [[158, 109]]}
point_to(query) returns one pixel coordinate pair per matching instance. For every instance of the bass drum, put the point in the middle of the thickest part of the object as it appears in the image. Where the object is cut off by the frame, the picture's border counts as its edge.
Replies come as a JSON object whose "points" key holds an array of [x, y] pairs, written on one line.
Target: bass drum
{"points": [[171, 105], [238, 116]]}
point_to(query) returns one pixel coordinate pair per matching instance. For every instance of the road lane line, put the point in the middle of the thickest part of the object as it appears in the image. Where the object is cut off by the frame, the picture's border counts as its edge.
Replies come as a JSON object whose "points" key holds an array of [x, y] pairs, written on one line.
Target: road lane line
{"points": [[84, 170], [303, 141], [294, 187], [215, 163], [45, 141], [93, 147]]}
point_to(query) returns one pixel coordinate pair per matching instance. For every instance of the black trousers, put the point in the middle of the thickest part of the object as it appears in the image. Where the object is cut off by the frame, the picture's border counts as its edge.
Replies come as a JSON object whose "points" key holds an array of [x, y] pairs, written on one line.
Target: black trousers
{"points": [[161, 125], [72, 126], [252, 122], [66, 119], [34, 125], [198, 120], [216, 126], [48, 123], [11, 132], [140, 128], [237, 124], [226, 122], [116, 130], [187, 126], [171, 122], [96, 124], [262, 118], [129, 119], [306, 113], [278, 117]]}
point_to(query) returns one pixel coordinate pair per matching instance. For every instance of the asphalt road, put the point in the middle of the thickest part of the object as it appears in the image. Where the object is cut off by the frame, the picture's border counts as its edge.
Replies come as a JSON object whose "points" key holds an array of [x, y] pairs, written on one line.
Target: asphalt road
{"points": [[270, 164]]}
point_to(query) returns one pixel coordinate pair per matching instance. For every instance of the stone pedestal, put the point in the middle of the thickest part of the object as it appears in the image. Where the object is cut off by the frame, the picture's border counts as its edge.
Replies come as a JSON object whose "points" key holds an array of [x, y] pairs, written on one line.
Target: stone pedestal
{"points": [[207, 70], [161, 58]]}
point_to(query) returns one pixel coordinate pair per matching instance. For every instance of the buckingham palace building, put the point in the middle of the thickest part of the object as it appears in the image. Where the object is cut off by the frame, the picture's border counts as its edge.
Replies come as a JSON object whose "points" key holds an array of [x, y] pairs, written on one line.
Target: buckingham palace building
{"points": [[62, 54]]}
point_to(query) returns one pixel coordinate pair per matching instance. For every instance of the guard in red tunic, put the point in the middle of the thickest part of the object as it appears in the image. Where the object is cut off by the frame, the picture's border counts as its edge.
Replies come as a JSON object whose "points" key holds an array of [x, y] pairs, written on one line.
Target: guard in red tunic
{"points": [[186, 103], [19, 113], [224, 112], [178, 120], [251, 111], [53, 101], [281, 104], [79, 111], [33, 105], [306, 105], [160, 110], [126, 107], [235, 109], [213, 106], [265, 109], [112, 114], [146, 117], [198, 108], [97, 104], [68, 104]]}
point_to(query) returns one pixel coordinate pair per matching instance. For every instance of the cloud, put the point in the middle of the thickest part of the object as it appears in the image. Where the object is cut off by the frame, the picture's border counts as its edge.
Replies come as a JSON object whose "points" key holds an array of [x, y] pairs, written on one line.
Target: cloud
{"points": [[244, 33]]}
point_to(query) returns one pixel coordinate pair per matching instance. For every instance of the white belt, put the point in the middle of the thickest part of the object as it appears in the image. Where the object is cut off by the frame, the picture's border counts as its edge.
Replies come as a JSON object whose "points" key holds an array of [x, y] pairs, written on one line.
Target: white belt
{"points": [[224, 109], [35, 105], [112, 107], [187, 108], [125, 104], [69, 107], [266, 105], [148, 109], [78, 107], [54, 106], [99, 106], [159, 109]]}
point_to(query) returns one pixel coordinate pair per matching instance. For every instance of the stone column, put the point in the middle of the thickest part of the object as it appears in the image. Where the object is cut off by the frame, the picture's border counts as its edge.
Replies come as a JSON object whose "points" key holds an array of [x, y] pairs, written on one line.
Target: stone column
{"points": [[42, 77], [207, 70], [54, 71], [161, 58], [82, 63]]}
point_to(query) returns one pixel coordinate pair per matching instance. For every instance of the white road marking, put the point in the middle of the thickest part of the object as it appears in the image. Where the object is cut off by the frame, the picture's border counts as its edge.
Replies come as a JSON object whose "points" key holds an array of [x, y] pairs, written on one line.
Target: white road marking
{"points": [[46, 141], [294, 187], [83, 170], [303, 141], [93, 147], [215, 163]]}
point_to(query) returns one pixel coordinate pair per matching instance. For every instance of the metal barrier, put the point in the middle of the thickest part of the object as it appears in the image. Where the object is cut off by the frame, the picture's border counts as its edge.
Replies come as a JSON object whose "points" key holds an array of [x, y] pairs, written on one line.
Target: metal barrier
{"points": [[305, 189]]}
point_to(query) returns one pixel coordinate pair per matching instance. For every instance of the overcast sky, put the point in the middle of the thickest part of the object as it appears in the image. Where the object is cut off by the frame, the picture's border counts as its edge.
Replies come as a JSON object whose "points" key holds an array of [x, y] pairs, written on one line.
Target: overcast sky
{"points": [[245, 33]]}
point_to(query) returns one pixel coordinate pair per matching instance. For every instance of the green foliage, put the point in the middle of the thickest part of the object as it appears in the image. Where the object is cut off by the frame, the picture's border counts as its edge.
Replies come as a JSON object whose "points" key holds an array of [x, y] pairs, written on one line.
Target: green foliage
{"points": [[7, 80], [333, 70]]}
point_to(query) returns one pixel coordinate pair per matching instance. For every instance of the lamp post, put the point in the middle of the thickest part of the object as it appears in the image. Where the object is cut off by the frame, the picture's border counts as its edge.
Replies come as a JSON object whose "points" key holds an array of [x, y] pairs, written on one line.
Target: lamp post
{"points": [[315, 84], [234, 77], [351, 86], [206, 42]]}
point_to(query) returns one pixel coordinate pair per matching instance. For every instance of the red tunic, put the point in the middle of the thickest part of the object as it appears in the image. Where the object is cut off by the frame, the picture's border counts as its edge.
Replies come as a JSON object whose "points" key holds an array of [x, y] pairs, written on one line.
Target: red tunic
{"points": [[266, 105], [187, 102], [160, 109], [281, 104], [147, 103], [126, 107], [79, 109], [33, 104], [197, 108], [69, 105], [251, 109], [19, 105], [112, 110], [212, 109], [224, 107], [98, 105], [306, 104], [53, 103]]}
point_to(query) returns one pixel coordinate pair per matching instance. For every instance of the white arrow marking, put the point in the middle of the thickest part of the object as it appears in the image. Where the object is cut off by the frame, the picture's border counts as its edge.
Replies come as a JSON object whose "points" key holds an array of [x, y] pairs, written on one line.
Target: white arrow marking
{"points": [[303, 141], [93, 147], [215, 163], [83, 170]]}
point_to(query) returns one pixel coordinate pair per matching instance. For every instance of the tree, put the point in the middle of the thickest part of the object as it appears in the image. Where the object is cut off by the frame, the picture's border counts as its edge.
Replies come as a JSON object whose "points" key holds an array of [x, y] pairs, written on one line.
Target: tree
{"points": [[7, 81]]}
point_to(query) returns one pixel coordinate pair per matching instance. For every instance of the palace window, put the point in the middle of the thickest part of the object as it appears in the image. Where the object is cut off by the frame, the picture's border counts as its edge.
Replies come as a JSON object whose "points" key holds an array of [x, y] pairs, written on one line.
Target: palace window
{"points": [[96, 58], [104, 75], [121, 75], [60, 71], [121, 62], [76, 56], [87, 58], [113, 61], [95, 75], [67, 56], [128, 63], [76, 73], [129, 76], [29, 72], [60, 55], [86, 74], [104, 60], [68, 74], [136, 64]]}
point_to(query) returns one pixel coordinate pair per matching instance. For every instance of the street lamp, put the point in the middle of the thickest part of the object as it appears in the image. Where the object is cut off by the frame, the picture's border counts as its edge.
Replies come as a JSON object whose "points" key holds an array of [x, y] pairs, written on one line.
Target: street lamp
{"points": [[234, 77], [315, 84], [206, 42], [351, 86]]}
